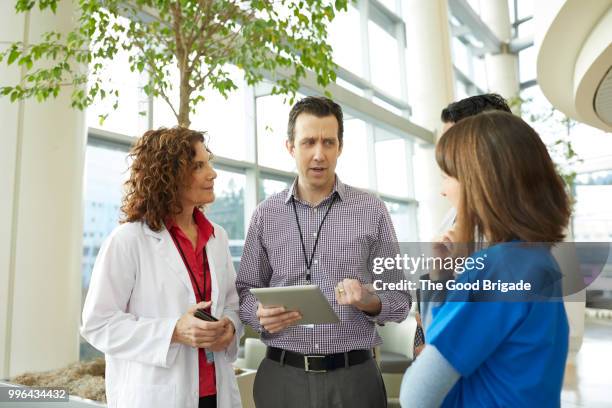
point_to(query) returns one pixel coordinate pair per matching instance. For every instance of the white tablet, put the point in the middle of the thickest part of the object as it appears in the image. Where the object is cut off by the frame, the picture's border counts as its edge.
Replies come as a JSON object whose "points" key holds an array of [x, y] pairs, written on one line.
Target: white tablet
{"points": [[307, 299]]}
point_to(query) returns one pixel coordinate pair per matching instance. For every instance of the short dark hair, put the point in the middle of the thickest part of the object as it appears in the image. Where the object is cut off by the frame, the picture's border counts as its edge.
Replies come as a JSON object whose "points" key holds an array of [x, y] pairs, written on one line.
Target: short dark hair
{"points": [[473, 105], [318, 106]]}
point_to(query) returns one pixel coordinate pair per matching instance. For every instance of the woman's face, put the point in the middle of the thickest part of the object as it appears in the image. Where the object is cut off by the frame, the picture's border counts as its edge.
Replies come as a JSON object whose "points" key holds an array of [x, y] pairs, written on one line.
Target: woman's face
{"points": [[450, 189], [200, 186]]}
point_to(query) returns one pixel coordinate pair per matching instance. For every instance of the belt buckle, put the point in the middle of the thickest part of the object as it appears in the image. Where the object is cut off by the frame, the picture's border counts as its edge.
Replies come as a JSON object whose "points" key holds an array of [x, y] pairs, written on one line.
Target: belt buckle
{"points": [[307, 365]]}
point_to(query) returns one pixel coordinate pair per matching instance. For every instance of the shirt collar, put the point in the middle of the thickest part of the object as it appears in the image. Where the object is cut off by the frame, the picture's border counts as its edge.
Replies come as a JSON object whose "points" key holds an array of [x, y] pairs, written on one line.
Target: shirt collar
{"points": [[205, 227], [339, 188]]}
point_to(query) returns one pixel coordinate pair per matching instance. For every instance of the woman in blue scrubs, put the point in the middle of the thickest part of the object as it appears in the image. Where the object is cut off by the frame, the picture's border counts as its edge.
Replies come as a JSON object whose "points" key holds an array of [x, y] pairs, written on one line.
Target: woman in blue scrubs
{"points": [[490, 346]]}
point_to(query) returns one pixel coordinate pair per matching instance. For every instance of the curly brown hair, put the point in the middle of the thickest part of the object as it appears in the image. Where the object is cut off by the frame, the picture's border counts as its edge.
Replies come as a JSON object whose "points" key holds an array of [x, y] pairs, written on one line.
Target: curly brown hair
{"points": [[162, 160]]}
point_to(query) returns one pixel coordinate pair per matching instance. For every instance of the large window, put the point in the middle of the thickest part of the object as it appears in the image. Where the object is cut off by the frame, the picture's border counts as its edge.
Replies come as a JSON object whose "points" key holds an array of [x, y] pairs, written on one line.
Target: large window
{"points": [[392, 164], [369, 46], [354, 164], [527, 65], [461, 55], [592, 211], [105, 169], [228, 208], [105, 172], [384, 60], [345, 38]]}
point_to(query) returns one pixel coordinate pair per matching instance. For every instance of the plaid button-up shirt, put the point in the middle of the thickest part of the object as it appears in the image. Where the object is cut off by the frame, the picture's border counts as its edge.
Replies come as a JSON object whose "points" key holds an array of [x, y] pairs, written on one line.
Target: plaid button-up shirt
{"points": [[357, 229]]}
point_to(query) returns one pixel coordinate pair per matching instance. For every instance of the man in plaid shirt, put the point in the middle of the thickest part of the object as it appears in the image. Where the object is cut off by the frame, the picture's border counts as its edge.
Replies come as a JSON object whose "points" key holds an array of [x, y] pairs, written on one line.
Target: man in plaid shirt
{"points": [[323, 232]]}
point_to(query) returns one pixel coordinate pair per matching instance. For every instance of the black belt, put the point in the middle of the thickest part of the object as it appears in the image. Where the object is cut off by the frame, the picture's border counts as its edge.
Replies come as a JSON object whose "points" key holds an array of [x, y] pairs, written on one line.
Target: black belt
{"points": [[318, 363]]}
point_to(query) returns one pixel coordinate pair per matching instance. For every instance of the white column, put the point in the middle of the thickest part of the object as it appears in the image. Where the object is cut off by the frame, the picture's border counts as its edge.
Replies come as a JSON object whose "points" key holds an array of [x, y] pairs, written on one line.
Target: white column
{"points": [[431, 88], [502, 68], [41, 177]]}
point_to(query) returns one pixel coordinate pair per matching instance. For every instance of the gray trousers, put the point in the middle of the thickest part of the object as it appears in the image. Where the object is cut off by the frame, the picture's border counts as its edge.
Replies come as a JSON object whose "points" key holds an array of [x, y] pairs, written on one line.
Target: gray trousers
{"points": [[283, 386]]}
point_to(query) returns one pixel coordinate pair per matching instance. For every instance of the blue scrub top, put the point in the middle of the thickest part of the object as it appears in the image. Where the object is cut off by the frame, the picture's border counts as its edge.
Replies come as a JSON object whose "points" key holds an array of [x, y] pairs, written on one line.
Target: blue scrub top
{"points": [[509, 353]]}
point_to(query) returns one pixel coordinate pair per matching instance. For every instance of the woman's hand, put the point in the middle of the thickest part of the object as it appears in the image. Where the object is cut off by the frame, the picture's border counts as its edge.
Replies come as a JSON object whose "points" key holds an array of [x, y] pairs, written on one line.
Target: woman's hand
{"points": [[193, 332], [443, 245], [442, 248], [226, 338]]}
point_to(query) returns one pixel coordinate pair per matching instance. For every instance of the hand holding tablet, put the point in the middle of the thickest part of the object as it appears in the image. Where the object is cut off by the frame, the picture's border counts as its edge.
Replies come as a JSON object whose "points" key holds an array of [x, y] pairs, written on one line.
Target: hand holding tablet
{"points": [[308, 300], [276, 318]]}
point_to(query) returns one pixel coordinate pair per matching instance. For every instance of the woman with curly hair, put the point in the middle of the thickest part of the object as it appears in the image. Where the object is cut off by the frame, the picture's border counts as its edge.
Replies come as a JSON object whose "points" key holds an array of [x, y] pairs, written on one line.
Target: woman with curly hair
{"points": [[162, 303]]}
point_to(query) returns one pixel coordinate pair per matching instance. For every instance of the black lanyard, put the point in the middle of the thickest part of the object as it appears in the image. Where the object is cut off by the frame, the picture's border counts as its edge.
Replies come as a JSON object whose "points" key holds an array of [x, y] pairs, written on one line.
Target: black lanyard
{"points": [[314, 248], [195, 282]]}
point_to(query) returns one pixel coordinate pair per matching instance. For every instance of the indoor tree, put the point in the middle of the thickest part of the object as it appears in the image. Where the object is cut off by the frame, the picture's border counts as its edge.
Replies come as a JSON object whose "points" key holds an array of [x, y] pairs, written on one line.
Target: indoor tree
{"points": [[201, 38]]}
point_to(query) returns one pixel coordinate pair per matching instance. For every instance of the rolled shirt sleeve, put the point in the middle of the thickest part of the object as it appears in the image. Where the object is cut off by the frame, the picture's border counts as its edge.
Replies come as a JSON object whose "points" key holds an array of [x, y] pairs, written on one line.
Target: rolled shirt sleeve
{"points": [[395, 304]]}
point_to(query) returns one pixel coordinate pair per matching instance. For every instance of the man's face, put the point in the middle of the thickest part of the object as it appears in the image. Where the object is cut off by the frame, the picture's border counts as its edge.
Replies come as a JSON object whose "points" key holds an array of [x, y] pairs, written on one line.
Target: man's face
{"points": [[316, 149]]}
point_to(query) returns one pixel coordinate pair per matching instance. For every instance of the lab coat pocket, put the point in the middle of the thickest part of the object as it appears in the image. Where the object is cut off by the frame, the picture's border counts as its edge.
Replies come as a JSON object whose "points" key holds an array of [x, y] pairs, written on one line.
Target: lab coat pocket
{"points": [[147, 395]]}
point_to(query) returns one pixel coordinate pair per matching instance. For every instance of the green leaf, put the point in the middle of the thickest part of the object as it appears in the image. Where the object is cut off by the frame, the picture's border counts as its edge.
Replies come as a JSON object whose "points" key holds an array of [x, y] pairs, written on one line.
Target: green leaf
{"points": [[13, 56]]}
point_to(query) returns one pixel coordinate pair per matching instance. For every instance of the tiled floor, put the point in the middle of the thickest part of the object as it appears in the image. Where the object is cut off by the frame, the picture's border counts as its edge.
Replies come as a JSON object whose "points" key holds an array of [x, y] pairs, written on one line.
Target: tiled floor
{"points": [[589, 382]]}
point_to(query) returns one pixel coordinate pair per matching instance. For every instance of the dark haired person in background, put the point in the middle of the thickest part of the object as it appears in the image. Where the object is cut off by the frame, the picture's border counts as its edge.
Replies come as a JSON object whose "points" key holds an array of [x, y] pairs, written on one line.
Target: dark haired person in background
{"points": [[483, 351], [323, 232], [470, 106]]}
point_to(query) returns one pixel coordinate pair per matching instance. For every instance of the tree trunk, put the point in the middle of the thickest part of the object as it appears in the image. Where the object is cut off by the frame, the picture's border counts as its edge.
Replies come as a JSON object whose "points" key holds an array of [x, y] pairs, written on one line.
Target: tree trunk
{"points": [[185, 94]]}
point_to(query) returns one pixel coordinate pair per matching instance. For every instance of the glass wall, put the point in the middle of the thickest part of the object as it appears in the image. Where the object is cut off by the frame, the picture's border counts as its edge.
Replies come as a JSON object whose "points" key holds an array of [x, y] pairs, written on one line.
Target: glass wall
{"points": [[105, 172], [468, 57], [353, 165], [272, 115], [592, 210]]}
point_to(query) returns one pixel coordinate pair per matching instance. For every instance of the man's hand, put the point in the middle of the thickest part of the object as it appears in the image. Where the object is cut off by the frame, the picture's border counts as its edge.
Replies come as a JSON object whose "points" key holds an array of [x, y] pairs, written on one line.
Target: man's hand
{"points": [[275, 319], [352, 292], [193, 332]]}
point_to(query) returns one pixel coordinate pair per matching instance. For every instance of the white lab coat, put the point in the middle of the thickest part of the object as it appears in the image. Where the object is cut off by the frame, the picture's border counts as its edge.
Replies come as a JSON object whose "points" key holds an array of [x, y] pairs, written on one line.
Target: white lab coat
{"points": [[138, 291]]}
